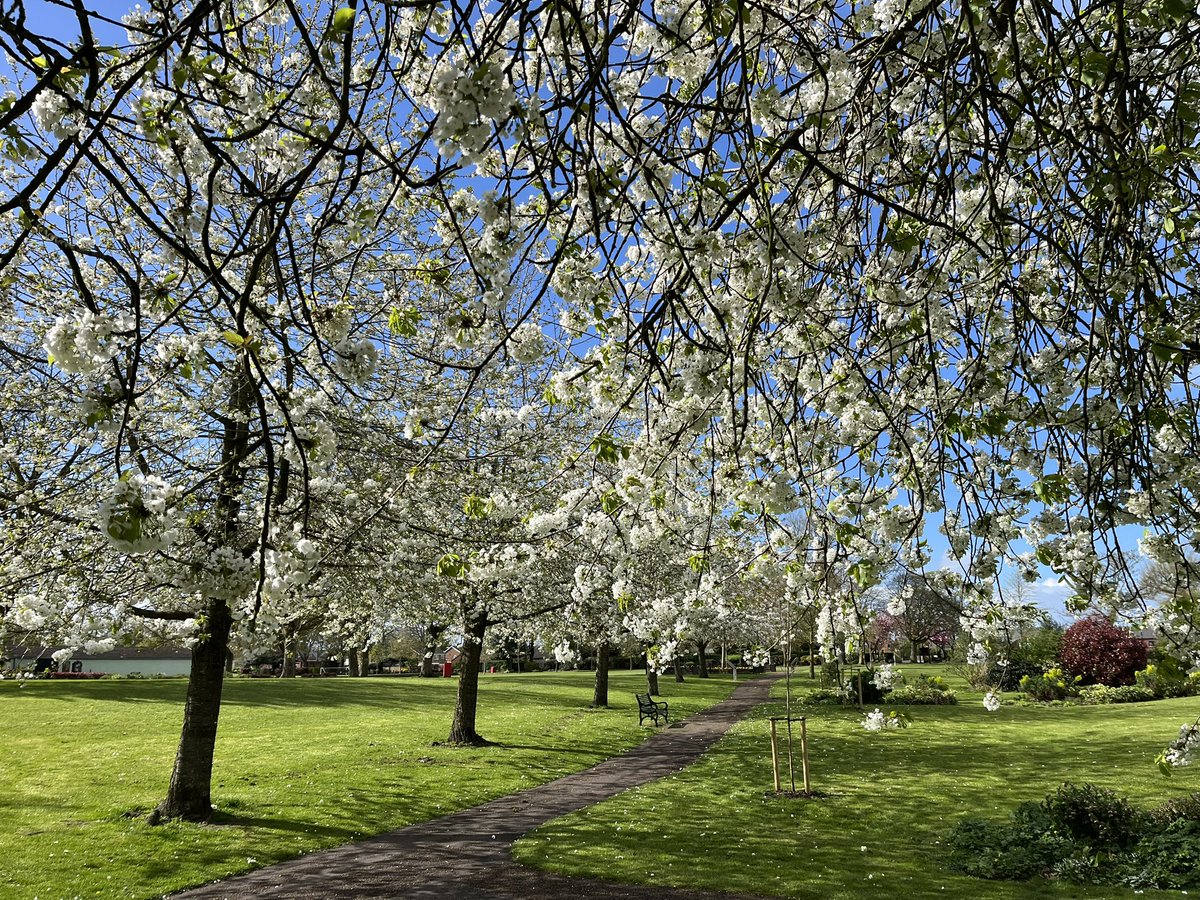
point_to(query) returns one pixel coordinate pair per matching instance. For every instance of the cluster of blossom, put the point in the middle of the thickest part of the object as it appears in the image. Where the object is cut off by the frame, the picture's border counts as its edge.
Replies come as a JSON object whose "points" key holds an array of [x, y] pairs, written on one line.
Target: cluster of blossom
{"points": [[757, 658], [138, 514], [83, 345], [312, 442], [991, 701], [527, 344], [356, 360], [53, 114], [289, 563], [881, 721], [30, 611], [221, 572], [470, 100], [1183, 749], [565, 654], [887, 677]]}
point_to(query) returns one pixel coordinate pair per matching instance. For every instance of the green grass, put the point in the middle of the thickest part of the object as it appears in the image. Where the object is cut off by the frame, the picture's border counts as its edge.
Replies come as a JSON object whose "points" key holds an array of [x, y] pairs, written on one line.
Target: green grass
{"points": [[892, 798], [301, 764]]}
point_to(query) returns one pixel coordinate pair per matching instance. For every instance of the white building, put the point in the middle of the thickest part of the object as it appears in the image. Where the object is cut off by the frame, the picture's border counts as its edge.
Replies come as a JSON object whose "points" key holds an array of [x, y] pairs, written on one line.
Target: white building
{"points": [[164, 660]]}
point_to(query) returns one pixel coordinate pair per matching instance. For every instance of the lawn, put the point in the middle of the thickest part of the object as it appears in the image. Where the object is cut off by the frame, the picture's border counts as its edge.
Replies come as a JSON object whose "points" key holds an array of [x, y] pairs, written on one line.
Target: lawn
{"points": [[892, 797], [301, 764]]}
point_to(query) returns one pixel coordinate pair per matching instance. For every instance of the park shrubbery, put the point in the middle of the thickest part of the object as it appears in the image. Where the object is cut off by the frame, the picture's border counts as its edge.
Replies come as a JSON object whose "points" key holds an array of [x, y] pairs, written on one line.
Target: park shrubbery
{"points": [[1053, 684], [1098, 652], [1085, 834], [924, 691]]}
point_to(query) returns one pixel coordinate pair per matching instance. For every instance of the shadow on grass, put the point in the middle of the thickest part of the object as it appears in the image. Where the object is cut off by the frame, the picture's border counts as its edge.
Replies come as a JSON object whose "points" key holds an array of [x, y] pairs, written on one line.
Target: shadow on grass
{"points": [[236, 820]]}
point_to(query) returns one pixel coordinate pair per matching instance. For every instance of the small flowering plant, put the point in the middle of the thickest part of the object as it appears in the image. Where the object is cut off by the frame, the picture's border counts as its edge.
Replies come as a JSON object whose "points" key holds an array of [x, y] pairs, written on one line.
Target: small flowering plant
{"points": [[991, 701], [878, 720]]}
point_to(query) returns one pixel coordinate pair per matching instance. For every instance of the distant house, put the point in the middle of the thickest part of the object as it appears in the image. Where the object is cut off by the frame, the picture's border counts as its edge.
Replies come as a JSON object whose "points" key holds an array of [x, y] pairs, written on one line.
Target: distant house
{"points": [[167, 659]]}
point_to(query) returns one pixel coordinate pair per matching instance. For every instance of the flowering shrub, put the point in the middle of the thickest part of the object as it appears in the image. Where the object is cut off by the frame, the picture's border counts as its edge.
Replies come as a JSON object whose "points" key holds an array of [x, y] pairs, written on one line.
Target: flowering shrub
{"points": [[861, 688], [1098, 652], [1053, 684], [1167, 679]]}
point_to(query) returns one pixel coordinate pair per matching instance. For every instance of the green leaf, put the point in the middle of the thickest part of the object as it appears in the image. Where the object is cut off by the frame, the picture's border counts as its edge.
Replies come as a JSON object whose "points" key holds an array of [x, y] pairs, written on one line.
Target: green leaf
{"points": [[404, 321], [1094, 68], [343, 22], [863, 574], [475, 507], [1051, 489], [608, 450], [451, 566]]}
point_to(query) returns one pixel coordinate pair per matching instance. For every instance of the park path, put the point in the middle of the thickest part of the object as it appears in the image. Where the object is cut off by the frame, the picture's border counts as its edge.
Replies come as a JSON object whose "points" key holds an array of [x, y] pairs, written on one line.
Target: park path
{"points": [[468, 853]]}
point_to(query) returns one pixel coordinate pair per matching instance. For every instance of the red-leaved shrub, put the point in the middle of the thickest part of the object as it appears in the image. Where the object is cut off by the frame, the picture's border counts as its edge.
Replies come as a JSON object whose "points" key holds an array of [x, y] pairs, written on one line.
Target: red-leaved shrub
{"points": [[1101, 653]]}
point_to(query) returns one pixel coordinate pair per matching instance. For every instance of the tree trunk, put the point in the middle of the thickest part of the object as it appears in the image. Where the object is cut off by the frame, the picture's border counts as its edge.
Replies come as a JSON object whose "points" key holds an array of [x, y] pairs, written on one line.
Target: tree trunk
{"points": [[289, 653], [189, 795], [353, 661], [462, 729], [433, 631], [364, 662], [812, 656], [701, 647], [678, 672], [651, 680], [600, 692]]}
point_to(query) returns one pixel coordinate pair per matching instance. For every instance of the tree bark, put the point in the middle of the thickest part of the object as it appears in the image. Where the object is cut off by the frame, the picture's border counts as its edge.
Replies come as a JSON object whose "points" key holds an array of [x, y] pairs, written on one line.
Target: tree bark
{"points": [[289, 653], [352, 659], [364, 662], [433, 631], [600, 692], [462, 728], [189, 794], [651, 680], [678, 672], [701, 647]]}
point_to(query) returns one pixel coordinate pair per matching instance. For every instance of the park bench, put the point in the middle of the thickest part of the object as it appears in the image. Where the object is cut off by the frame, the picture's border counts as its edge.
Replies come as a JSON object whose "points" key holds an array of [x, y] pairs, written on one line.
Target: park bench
{"points": [[651, 709]]}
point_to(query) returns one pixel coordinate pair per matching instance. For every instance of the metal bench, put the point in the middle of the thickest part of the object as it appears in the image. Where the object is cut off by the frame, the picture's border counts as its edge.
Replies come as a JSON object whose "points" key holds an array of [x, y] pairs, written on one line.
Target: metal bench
{"points": [[648, 708]]}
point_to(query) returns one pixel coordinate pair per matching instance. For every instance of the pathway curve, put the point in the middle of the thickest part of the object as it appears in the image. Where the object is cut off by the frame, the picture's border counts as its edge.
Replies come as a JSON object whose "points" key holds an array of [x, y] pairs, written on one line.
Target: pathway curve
{"points": [[468, 853]]}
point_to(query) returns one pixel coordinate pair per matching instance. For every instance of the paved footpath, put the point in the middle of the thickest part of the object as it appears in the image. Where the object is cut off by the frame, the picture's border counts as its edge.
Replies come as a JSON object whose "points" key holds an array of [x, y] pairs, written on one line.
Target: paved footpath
{"points": [[468, 854]]}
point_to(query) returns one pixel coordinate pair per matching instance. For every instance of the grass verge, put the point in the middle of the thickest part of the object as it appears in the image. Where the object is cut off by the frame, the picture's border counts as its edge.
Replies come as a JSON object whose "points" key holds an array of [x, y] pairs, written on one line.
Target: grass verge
{"points": [[892, 798], [301, 764]]}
